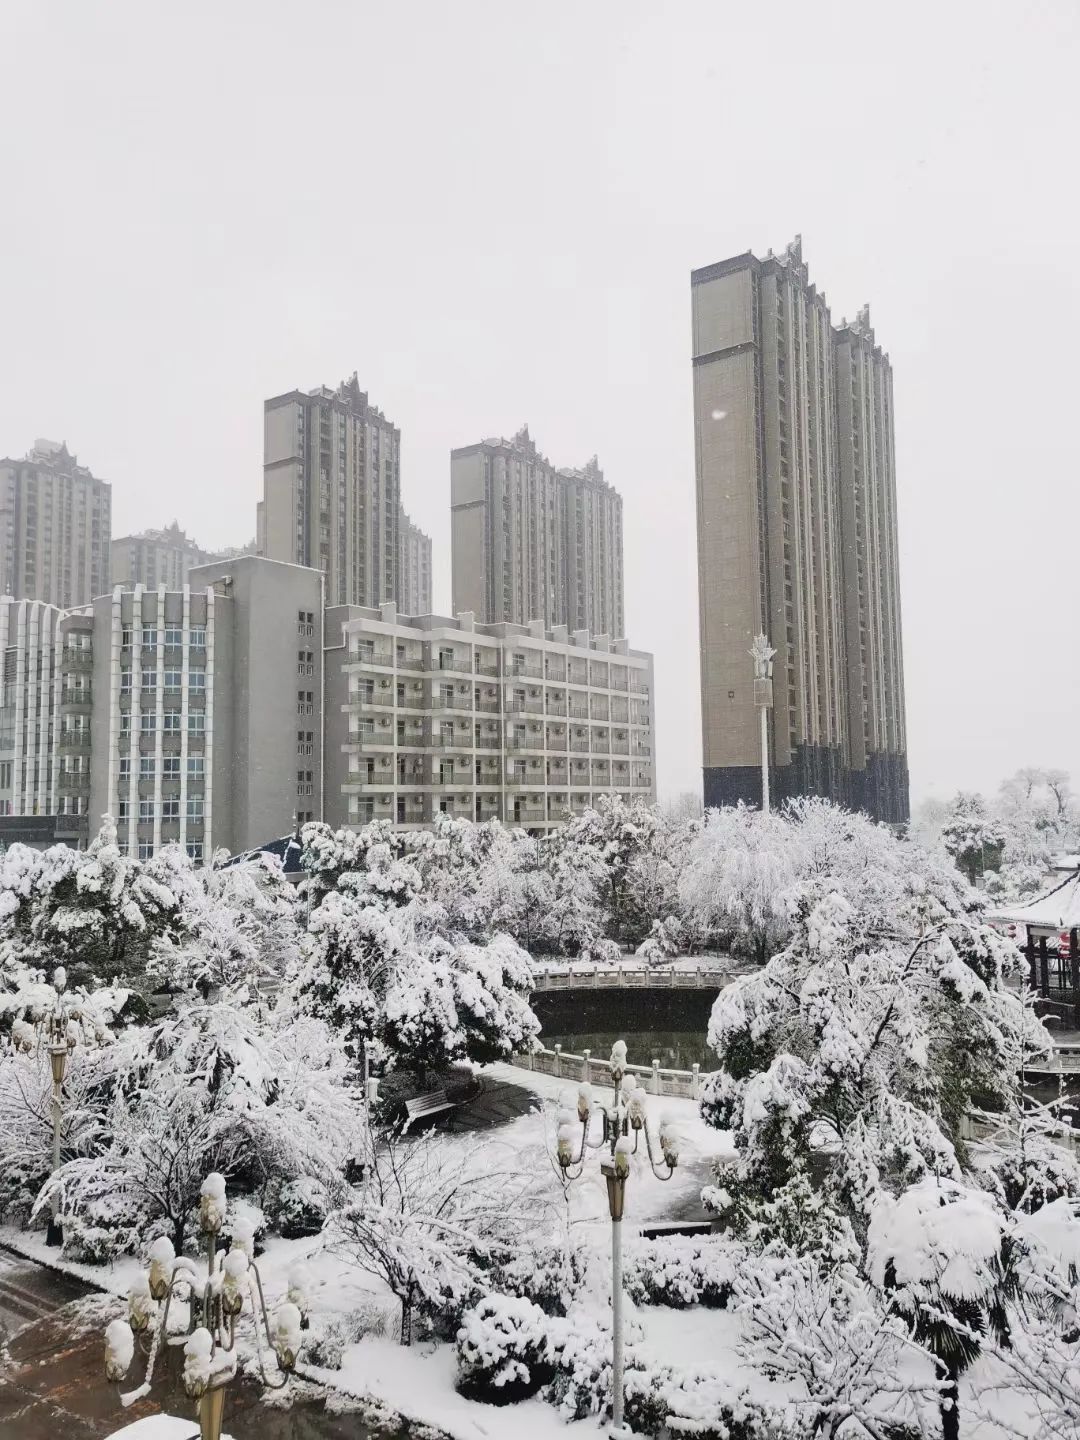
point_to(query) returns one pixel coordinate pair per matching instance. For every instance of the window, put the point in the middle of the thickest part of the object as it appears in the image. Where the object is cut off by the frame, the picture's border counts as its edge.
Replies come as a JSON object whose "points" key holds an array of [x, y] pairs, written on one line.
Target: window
{"points": [[125, 767], [147, 767], [125, 680], [146, 809], [174, 637], [197, 680], [170, 810], [196, 767], [170, 767], [305, 662], [125, 722], [125, 637], [196, 722], [195, 807], [149, 637], [197, 637], [194, 850], [170, 722], [149, 679], [123, 810], [146, 849], [172, 682], [148, 722]]}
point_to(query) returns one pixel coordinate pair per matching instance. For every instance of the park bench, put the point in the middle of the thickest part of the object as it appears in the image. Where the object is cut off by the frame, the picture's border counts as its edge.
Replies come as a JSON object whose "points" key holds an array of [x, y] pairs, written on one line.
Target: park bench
{"points": [[433, 1103]]}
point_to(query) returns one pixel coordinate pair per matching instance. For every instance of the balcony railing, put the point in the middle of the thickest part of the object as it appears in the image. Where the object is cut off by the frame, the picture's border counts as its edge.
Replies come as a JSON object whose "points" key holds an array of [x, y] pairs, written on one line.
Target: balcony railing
{"points": [[76, 697], [76, 660], [525, 742], [554, 707], [451, 702], [525, 668], [522, 816], [379, 699], [487, 667], [620, 747], [488, 742], [618, 683], [73, 784], [555, 677], [524, 707], [579, 747], [374, 657], [578, 712], [416, 664], [532, 781], [489, 707]]}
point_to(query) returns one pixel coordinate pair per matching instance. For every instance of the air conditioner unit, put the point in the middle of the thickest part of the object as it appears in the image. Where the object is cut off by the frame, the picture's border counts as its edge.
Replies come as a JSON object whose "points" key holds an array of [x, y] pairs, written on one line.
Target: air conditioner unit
{"points": [[384, 684]]}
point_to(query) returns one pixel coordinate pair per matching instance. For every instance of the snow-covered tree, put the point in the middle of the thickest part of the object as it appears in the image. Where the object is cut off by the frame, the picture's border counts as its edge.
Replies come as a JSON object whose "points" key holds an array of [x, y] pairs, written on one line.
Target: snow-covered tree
{"points": [[238, 925], [972, 836], [630, 842], [867, 1040], [428, 1222], [96, 911]]}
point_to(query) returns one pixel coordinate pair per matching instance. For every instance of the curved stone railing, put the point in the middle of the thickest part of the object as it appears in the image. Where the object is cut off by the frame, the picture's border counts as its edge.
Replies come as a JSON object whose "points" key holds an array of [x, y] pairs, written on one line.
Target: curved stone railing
{"points": [[679, 1084], [619, 977]]}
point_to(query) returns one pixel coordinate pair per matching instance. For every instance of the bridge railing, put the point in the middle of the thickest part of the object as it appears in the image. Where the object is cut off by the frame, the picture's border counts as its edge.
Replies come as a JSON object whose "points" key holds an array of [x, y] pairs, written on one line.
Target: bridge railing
{"points": [[655, 1078], [1063, 1060], [621, 977]]}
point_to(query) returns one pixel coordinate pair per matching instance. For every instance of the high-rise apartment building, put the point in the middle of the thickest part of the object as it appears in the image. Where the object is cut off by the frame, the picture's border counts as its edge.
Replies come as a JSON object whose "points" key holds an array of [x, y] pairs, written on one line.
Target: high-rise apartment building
{"points": [[161, 557], [332, 491], [796, 503], [414, 568], [55, 527], [531, 542]]}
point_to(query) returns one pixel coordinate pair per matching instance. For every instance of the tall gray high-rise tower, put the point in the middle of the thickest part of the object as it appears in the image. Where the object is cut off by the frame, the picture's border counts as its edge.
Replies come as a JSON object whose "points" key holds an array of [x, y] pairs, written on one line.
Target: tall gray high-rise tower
{"points": [[531, 542], [796, 504], [55, 525], [332, 491]]}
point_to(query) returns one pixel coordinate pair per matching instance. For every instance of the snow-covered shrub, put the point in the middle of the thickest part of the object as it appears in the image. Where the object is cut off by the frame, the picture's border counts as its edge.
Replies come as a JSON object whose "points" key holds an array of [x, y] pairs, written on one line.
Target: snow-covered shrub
{"points": [[300, 1207], [503, 1352], [582, 1349], [103, 1229], [680, 1271], [330, 1338], [703, 1405], [245, 1223], [603, 952], [548, 1276]]}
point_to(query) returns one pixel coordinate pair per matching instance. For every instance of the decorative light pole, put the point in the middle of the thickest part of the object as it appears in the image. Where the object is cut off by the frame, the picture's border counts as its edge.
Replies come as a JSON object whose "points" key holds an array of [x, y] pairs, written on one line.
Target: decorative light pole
{"points": [[762, 653], [623, 1117], [215, 1300], [57, 1031]]}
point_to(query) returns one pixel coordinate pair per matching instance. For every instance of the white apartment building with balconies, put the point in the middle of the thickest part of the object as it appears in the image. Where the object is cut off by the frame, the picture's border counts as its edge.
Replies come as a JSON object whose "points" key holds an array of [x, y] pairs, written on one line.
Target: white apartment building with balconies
{"points": [[483, 722]]}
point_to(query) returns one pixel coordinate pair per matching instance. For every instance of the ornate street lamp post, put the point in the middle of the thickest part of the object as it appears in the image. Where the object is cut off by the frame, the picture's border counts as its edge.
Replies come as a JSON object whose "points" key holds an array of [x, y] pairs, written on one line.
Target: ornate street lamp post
{"points": [[762, 653], [624, 1120], [215, 1300], [57, 1031]]}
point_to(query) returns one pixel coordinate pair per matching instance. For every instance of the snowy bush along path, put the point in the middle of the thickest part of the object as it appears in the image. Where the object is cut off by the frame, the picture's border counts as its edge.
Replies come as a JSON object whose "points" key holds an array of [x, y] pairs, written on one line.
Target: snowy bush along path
{"points": [[933, 1280]]}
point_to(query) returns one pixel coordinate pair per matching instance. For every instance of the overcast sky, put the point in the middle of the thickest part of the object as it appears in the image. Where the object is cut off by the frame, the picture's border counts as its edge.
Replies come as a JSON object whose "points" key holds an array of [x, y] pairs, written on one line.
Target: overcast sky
{"points": [[490, 212]]}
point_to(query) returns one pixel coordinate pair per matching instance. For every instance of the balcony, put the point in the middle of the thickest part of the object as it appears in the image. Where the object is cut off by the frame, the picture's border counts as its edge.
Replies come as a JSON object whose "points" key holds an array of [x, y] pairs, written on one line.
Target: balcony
{"points": [[618, 682], [600, 745], [373, 699], [641, 749], [531, 781], [76, 697], [488, 742], [556, 707], [458, 665], [554, 676], [523, 816], [73, 784], [620, 747], [452, 702], [413, 702], [579, 747], [525, 669], [452, 742], [488, 707], [524, 707], [526, 742], [80, 740], [487, 667], [578, 712], [637, 687], [384, 658], [76, 660], [415, 664]]}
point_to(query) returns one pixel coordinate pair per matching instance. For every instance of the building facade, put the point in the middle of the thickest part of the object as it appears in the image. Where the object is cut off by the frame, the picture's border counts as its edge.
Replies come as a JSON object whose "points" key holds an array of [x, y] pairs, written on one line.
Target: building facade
{"points": [[796, 512], [161, 557], [55, 526], [228, 712], [414, 568], [332, 491], [511, 722], [531, 542]]}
